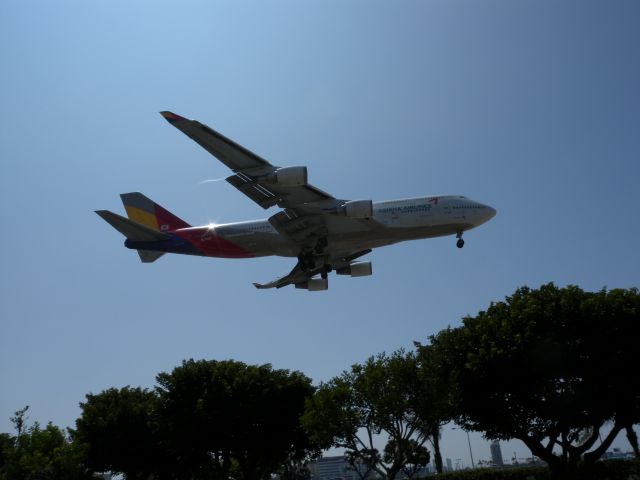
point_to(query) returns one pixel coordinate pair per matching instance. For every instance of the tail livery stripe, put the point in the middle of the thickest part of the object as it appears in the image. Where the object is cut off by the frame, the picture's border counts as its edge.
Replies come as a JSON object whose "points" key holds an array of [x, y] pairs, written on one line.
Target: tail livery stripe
{"points": [[143, 210]]}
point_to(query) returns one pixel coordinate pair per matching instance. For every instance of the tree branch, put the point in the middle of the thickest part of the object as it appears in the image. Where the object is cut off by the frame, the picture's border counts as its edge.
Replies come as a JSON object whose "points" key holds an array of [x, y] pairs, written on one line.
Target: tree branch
{"points": [[539, 451], [591, 457], [590, 441]]}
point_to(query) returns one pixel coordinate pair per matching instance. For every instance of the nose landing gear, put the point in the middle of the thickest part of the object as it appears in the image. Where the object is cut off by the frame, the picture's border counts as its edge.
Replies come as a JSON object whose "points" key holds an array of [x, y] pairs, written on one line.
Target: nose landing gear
{"points": [[460, 242]]}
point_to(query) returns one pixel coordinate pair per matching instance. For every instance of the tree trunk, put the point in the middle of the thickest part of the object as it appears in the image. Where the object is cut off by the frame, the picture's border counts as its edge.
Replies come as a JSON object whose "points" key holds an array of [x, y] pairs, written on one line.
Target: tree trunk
{"points": [[633, 440], [437, 456], [392, 472], [557, 467]]}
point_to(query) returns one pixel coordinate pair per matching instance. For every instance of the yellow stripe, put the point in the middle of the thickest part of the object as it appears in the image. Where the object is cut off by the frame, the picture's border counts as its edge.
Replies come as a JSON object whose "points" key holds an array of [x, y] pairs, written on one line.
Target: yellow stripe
{"points": [[142, 217]]}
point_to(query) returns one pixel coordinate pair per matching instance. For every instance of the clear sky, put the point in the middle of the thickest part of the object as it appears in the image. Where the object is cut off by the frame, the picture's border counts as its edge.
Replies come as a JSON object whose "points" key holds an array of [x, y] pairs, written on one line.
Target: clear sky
{"points": [[532, 107]]}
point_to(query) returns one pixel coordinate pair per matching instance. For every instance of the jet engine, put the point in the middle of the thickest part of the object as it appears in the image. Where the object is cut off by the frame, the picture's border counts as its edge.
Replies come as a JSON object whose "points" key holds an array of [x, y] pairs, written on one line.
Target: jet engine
{"points": [[357, 269], [314, 284], [357, 209], [288, 176]]}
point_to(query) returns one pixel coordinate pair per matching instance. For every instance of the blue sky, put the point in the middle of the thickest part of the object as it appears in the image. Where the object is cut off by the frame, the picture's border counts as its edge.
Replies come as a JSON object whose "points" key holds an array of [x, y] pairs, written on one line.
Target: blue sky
{"points": [[531, 107]]}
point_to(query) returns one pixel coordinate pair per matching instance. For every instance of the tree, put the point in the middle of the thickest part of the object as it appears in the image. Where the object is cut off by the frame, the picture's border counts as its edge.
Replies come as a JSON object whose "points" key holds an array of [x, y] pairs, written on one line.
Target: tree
{"points": [[19, 420], [612, 351], [40, 453], [352, 410], [7, 446], [228, 417], [433, 403], [119, 427], [543, 367], [416, 456]]}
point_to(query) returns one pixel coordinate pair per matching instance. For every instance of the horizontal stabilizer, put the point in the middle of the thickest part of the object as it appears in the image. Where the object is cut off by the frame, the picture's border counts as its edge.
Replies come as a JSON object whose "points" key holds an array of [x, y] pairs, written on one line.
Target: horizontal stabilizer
{"points": [[149, 256], [131, 230]]}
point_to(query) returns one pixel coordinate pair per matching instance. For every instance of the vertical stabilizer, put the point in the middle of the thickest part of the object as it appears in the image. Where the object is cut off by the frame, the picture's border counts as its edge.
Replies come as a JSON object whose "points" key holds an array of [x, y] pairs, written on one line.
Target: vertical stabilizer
{"points": [[145, 211]]}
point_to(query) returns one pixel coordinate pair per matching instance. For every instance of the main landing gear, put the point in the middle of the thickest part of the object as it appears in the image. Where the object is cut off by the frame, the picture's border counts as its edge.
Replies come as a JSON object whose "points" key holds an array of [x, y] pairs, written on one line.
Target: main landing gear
{"points": [[325, 271], [308, 259], [321, 245], [308, 262], [460, 242]]}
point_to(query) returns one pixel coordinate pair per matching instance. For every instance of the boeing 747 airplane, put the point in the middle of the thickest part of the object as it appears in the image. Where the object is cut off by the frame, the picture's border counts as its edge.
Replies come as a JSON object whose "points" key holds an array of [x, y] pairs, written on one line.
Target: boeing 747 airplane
{"points": [[324, 233]]}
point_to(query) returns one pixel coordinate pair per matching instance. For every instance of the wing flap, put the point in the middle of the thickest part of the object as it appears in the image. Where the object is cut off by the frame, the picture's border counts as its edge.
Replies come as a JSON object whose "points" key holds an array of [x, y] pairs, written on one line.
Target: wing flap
{"points": [[301, 228], [259, 194]]}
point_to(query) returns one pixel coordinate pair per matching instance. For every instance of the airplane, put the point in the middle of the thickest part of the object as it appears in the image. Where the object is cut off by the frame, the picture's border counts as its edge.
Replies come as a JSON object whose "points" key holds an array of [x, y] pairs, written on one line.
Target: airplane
{"points": [[324, 233]]}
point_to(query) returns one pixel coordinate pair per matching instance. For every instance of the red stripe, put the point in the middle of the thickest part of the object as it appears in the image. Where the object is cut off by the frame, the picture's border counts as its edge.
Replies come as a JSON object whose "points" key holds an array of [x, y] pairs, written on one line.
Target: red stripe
{"points": [[212, 245], [167, 221]]}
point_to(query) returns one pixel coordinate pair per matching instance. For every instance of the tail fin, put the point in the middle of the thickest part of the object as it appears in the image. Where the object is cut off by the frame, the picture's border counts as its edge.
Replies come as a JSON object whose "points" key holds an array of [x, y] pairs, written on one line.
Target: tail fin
{"points": [[145, 211]]}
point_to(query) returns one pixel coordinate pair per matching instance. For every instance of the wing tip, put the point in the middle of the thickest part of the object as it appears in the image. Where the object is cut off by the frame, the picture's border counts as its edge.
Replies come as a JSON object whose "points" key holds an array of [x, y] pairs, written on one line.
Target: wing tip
{"points": [[259, 286], [171, 117]]}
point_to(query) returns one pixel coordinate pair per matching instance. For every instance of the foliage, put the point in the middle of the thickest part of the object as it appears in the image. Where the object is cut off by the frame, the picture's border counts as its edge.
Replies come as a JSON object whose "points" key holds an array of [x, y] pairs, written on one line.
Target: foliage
{"points": [[205, 420], [7, 445], [433, 403], [118, 425], [521, 473], [40, 453], [351, 410], [416, 456], [544, 366], [229, 417], [19, 420], [607, 470]]}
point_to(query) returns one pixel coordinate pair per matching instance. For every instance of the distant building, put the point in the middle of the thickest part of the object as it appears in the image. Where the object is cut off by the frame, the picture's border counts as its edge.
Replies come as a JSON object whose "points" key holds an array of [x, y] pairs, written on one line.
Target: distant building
{"points": [[449, 465], [496, 454], [332, 468]]}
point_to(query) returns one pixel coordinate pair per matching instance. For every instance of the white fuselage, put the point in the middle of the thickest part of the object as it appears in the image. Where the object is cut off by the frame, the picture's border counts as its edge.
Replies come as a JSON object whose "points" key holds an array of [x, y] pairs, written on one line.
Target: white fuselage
{"points": [[393, 221]]}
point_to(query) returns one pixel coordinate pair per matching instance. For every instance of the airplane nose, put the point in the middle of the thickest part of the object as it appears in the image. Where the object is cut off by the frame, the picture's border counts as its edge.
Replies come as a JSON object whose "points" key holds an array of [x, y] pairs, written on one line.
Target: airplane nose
{"points": [[487, 213]]}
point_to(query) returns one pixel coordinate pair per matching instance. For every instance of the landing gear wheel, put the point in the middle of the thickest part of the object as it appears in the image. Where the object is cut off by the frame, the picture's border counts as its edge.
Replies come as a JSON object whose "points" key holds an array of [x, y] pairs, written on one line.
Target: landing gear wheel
{"points": [[460, 243]]}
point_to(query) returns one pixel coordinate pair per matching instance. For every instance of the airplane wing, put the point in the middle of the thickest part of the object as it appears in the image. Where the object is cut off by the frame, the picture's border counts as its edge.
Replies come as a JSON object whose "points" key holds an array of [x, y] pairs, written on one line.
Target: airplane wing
{"points": [[299, 276], [253, 175], [309, 215]]}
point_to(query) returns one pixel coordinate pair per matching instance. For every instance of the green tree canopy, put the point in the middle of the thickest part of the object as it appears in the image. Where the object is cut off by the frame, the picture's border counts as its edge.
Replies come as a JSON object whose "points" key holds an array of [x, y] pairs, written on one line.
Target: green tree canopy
{"points": [[433, 402], [227, 416], [544, 367], [352, 410], [119, 427], [41, 453]]}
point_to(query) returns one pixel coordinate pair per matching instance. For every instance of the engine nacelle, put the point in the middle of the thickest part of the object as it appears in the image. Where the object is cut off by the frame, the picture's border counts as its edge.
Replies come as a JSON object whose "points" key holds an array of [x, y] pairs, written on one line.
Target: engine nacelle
{"points": [[288, 176], [357, 209], [358, 269], [314, 284]]}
